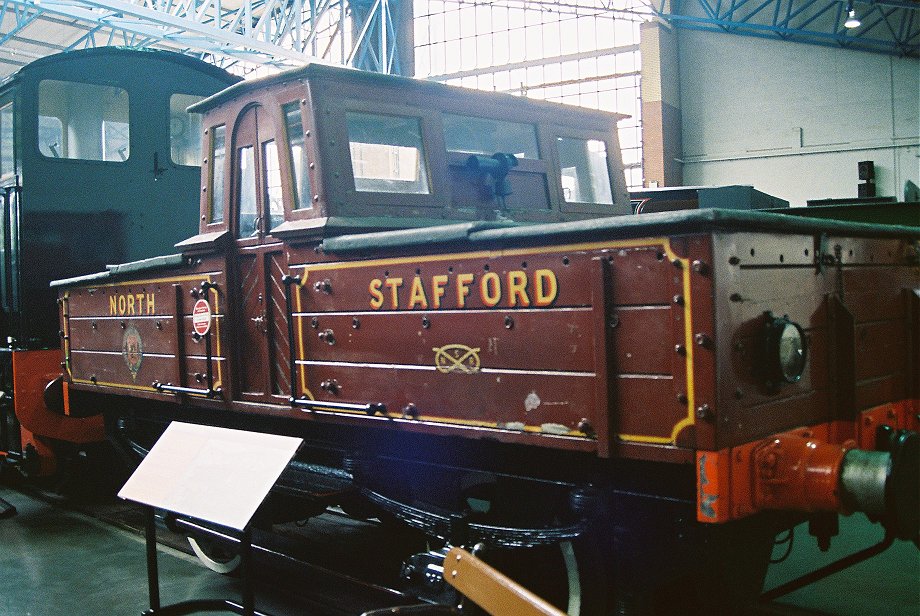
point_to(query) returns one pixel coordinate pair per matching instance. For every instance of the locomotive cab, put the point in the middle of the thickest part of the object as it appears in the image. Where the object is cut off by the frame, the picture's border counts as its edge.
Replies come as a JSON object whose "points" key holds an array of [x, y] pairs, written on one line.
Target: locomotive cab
{"points": [[96, 148], [323, 150]]}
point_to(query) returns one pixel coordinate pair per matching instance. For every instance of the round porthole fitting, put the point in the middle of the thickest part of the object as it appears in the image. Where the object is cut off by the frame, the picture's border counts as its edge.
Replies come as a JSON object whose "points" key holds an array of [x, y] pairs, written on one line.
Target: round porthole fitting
{"points": [[786, 350]]}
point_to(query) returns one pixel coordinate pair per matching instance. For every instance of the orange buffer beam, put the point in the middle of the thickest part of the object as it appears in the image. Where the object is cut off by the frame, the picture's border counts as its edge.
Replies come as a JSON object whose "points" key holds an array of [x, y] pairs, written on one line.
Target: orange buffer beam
{"points": [[828, 467], [32, 371]]}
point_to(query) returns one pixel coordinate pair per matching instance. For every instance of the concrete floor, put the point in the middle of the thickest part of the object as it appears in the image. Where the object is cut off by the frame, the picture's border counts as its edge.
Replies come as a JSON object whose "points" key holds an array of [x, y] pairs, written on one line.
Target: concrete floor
{"points": [[887, 584], [56, 562]]}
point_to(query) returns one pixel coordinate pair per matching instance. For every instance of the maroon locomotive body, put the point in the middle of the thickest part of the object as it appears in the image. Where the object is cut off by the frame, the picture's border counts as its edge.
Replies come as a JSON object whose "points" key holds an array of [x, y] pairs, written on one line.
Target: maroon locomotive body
{"points": [[438, 289]]}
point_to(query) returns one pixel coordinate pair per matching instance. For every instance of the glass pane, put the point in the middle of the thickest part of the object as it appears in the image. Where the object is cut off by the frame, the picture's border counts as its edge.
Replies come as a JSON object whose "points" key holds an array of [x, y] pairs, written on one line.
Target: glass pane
{"points": [[299, 162], [246, 173], [583, 165], [272, 183], [485, 136], [83, 121], [218, 157], [184, 130], [7, 164], [387, 153]]}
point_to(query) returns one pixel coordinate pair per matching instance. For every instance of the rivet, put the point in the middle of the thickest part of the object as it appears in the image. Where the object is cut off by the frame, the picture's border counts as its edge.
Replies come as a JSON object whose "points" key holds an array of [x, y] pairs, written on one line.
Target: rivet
{"points": [[700, 267], [315, 197], [355, 323], [614, 321], [682, 398], [734, 260], [676, 263], [509, 322], [159, 325], [314, 322], [680, 349], [679, 300], [123, 325], [703, 412], [703, 340], [426, 323]]}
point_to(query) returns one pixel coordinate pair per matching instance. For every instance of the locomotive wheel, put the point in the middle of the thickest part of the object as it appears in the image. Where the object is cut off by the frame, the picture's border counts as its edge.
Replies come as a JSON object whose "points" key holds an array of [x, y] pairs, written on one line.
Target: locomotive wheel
{"points": [[214, 555]]}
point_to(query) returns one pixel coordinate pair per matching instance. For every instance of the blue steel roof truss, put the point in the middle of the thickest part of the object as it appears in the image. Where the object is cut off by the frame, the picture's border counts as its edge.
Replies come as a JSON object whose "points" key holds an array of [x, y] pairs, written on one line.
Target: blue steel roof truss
{"points": [[888, 26]]}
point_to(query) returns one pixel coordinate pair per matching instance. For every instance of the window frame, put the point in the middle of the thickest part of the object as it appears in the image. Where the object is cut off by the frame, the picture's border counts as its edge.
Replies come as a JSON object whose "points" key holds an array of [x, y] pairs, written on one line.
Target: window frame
{"points": [[208, 208], [290, 211], [338, 157], [69, 159], [11, 105], [569, 207], [201, 149]]}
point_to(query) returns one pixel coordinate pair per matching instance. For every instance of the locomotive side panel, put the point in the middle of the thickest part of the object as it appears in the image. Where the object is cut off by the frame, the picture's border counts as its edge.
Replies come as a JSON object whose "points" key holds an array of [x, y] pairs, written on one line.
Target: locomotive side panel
{"points": [[853, 311], [134, 334], [507, 340]]}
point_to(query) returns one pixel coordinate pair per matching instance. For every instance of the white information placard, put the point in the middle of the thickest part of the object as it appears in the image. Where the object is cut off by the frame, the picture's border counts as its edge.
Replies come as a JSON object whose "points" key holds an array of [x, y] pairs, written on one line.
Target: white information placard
{"points": [[213, 474]]}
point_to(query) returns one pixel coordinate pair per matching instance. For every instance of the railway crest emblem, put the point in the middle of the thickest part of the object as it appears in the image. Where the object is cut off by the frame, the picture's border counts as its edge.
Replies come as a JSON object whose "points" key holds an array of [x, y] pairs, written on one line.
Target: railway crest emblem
{"points": [[456, 358], [132, 350]]}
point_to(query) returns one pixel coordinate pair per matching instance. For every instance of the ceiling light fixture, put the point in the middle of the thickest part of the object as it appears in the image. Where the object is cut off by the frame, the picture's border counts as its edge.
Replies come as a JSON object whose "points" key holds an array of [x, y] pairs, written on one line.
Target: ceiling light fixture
{"points": [[852, 20]]}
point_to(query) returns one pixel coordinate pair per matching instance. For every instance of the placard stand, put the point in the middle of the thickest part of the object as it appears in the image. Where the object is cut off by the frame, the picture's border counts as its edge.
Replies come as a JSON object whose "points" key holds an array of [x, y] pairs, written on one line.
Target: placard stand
{"points": [[246, 606], [216, 475]]}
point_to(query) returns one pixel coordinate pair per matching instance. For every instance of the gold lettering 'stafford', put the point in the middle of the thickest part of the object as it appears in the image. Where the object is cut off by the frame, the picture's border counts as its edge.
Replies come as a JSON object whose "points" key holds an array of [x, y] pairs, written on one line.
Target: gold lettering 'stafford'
{"points": [[512, 289]]}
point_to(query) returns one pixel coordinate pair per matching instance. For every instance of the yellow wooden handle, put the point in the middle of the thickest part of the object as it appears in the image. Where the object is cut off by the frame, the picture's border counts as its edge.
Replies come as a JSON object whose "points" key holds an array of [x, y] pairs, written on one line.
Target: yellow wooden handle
{"points": [[495, 593]]}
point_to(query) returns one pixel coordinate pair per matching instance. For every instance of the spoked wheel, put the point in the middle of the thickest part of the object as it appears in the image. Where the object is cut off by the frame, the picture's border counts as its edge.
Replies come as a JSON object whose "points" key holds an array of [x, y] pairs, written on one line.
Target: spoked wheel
{"points": [[215, 556]]}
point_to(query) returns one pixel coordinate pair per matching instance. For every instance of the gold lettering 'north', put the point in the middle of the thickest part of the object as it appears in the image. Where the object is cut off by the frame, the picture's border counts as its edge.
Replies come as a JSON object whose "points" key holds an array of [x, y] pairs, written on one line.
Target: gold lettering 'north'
{"points": [[132, 304], [511, 289]]}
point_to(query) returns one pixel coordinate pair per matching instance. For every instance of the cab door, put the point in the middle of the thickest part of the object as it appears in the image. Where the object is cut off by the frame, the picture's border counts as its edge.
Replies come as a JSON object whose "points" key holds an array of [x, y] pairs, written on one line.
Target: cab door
{"points": [[260, 262]]}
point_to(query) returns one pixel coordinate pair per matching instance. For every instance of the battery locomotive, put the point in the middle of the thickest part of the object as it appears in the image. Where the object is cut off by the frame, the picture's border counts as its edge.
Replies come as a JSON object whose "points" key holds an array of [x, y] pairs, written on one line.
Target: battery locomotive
{"points": [[441, 292], [96, 151]]}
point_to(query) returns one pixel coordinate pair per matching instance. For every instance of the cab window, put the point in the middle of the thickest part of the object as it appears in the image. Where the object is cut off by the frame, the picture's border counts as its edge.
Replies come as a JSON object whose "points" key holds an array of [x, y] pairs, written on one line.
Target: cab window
{"points": [[487, 136], [294, 128], [272, 184], [184, 130], [583, 169], [7, 162], [387, 154], [83, 121], [246, 172], [218, 158]]}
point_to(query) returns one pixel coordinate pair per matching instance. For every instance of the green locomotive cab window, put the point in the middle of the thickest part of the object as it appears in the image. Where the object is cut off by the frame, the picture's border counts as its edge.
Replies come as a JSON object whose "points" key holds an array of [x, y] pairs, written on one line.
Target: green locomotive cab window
{"points": [[272, 183], [583, 167], [248, 208], [184, 130], [83, 121], [487, 136], [387, 154], [299, 163], [218, 158], [7, 160]]}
